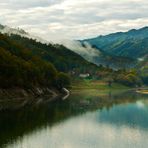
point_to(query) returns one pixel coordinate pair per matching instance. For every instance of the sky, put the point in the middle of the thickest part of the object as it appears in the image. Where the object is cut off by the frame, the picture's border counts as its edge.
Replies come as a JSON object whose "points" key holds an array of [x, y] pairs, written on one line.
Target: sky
{"points": [[73, 19]]}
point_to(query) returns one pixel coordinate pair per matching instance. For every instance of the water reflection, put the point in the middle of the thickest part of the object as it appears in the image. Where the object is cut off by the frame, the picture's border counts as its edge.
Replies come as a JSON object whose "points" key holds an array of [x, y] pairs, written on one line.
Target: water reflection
{"points": [[82, 120], [132, 115]]}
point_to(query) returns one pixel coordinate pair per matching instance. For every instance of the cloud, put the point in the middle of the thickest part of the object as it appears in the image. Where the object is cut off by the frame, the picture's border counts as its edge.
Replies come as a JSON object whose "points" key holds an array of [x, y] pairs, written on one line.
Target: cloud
{"points": [[13, 4], [74, 19], [85, 51]]}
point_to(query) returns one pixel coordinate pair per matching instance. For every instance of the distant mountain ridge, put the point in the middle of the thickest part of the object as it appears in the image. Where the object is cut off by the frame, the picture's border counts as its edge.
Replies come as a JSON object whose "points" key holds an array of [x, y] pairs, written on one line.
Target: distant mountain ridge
{"points": [[28, 62], [117, 50], [132, 44]]}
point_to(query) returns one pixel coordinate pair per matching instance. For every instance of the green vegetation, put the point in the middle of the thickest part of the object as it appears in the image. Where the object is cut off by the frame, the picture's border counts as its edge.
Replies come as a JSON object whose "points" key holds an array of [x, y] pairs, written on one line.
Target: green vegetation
{"points": [[132, 44], [27, 63], [122, 50], [96, 84], [19, 67], [144, 74], [62, 58], [63, 80], [128, 78]]}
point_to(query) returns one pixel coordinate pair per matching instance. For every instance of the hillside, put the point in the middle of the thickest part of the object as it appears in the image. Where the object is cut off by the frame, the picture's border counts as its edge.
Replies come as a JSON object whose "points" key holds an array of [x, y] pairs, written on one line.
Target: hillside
{"points": [[100, 57], [63, 58], [19, 68], [131, 44], [25, 62]]}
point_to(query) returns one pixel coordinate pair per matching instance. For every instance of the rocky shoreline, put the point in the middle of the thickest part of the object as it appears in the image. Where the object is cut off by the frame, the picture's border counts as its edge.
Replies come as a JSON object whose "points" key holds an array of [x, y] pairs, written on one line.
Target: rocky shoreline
{"points": [[16, 98]]}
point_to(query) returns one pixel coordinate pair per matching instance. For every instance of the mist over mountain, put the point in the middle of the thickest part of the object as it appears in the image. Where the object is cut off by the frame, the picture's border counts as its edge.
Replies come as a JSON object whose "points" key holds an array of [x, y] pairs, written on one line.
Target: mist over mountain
{"points": [[62, 58], [120, 50], [85, 51], [4, 29], [9, 31], [131, 44], [74, 57], [116, 50]]}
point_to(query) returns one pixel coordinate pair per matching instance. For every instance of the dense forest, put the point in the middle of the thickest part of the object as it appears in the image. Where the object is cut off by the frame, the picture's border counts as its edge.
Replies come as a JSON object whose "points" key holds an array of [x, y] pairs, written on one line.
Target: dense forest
{"points": [[25, 63], [64, 59], [19, 67]]}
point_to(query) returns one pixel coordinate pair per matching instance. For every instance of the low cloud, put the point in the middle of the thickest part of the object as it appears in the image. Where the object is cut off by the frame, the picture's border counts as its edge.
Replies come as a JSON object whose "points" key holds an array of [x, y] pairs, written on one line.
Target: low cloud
{"points": [[73, 19], [13, 4], [84, 50]]}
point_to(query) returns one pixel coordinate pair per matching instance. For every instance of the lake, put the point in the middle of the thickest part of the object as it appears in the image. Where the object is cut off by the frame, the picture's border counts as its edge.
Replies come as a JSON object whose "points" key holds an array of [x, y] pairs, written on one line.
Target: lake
{"points": [[86, 119]]}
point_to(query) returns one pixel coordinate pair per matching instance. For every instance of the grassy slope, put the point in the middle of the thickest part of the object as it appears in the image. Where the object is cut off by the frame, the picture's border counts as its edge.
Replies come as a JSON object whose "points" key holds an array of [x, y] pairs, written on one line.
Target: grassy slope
{"points": [[96, 88], [90, 89], [95, 84]]}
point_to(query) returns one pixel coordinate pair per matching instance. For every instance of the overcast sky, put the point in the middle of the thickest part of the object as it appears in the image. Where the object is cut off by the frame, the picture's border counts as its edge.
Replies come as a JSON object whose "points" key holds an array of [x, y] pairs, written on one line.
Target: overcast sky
{"points": [[74, 19]]}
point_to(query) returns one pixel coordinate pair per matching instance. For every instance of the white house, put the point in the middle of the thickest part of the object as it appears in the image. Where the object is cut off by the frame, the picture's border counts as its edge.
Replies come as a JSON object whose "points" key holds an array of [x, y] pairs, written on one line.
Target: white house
{"points": [[84, 75]]}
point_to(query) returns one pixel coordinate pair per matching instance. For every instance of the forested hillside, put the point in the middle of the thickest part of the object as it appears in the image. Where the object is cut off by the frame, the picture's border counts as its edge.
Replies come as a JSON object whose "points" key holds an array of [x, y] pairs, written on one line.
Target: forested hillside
{"points": [[18, 67], [132, 44], [26, 63], [63, 58]]}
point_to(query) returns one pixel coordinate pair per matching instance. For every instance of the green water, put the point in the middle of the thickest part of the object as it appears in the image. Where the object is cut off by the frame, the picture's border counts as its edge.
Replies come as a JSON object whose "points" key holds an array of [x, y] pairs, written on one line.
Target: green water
{"points": [[85, 119]]}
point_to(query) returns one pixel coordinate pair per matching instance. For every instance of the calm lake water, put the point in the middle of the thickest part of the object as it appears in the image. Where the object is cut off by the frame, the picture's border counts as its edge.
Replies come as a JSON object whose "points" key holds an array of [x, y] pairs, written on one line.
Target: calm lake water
{"points": [[86, 119]]}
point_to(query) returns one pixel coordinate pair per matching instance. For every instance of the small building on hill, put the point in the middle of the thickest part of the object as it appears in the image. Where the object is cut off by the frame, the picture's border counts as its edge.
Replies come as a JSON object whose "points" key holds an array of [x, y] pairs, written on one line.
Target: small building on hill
{"points": [[86, 75]]}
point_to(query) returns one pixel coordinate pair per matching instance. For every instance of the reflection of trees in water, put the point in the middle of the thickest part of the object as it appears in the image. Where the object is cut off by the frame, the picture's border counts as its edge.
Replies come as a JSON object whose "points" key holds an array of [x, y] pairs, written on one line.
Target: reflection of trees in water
{"points": [[14, 124], [133, 115]]}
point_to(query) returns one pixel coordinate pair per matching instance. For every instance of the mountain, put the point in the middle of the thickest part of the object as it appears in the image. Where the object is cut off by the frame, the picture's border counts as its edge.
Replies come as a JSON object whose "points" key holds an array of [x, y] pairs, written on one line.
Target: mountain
{"points": [[90, 53], [30, 63], [63, 58], [123, 50], [113, 50], [26, 62], [98, 56], [20, 68], [131, 44]]}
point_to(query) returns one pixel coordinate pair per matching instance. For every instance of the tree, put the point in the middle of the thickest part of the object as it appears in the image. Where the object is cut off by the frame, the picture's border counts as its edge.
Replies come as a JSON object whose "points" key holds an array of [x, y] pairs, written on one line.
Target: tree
{"points": [[63, 80]]}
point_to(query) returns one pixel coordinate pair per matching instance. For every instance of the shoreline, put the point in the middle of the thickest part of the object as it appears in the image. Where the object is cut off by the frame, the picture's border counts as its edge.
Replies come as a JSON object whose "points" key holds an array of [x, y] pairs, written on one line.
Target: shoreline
{"points": [[17, 98], [142, 91]]}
